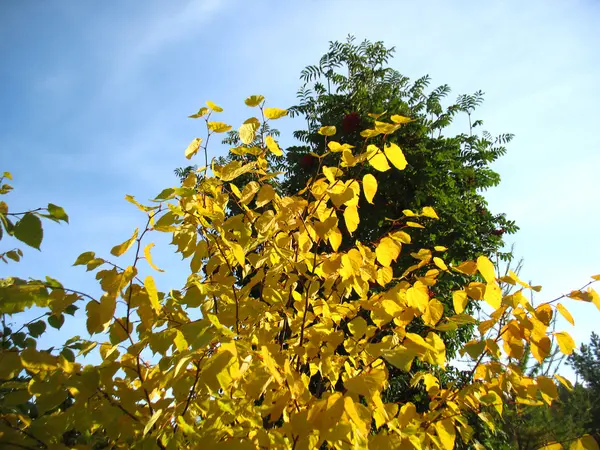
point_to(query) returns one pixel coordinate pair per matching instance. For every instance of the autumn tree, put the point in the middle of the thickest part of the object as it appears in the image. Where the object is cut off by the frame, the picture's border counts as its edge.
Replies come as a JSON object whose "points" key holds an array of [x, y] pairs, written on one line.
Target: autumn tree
{"points": [[218, 364]]}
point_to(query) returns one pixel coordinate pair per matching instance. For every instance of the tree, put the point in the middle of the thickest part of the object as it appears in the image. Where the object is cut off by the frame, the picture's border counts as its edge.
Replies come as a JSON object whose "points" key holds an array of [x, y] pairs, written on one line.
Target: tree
{"points": [[218, 364], [352, 88]]}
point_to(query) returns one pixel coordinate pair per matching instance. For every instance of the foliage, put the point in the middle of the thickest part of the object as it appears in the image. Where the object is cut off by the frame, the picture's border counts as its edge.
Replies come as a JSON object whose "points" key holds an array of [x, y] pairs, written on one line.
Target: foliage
{"points": [[228, 362]]}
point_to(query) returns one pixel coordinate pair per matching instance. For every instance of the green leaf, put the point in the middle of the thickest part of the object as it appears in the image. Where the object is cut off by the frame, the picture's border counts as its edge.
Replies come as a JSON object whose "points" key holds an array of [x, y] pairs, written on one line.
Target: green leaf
{"points": [[29, 230], [120, 249], [57, 212], [84, 258], [36, 329], [56, 321]]}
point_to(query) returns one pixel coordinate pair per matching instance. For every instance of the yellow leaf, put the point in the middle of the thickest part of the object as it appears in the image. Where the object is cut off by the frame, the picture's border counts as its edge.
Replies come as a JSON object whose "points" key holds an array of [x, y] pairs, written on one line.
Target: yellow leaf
{"points": [[351, 218], [149, 257], [201, 112], [265, 195], [417, 298], [565, 342], [418, 341], [218, 127], [152, 421], [350, 409], [565, 313], [493, 295], [248, 129], [336, 147], [152, 293], [459, 300], [327, 131], [446, 432], [192, 149], [566, 383], [553, 446], [271, 365], [395, 155], [335, 238], [428, 211], [414, 225], [238, 253], [585, 442], [369, 187], [272, 146], [486, 269], [376, 115], [214, 107], [440, 248], [433, 312], [254, 100], [596, 277], [400, 119], [439, 262], [378, 161], [400, 357], [274, 113], [120, 249], [387, 251]]}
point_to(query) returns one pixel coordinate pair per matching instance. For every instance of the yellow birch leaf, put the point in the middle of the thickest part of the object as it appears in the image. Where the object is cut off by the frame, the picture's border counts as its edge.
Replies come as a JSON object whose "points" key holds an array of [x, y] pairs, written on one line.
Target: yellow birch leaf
{"points": [[428, 211], [238, 253], [265, 195], [120, 249], [274, 113], [585, 442], [459, 300], [335, 238], [248, 129], [433, 312], [193, 148], [439, 262], [351, 218], [369, 187], [272, 146], [486, 269], [565, 342], [218, 127], [565, 313], [400, 119], [152, 293], [387, 251], [327, 131], [379, 162], [493, 295], [254, 100], [395, 155], [350, 409], [149, 257], [566, 383], [214, 107], [446, 432]]}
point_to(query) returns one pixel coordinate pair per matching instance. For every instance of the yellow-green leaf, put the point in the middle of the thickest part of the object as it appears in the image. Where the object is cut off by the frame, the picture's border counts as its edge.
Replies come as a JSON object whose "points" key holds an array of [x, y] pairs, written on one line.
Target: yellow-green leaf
{"points": [[152, 421], [148, 257], [428, 211], [201, 112], [152, 293], [29, 230], [272, 146], [585, 442], [565, 342], [218, 127], [265, 195], [248, 129], [327, 131], [238, 253], [214, 107], [254, 100], [274, 113], [395, 155], [193, 148], [566, 383], [401, 119], [565, 313], [369, 187], [120, 249]]}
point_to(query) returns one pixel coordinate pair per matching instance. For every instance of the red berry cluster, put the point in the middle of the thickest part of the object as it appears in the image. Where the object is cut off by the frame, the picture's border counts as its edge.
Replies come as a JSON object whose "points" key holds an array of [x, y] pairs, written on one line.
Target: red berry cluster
{"points": [[499, 232], [307, 161], [351, 122]]}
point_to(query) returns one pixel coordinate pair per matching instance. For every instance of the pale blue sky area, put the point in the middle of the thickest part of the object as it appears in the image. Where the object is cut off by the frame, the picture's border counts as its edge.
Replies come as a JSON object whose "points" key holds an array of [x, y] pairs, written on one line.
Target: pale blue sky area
{"points": [[95, 97]]}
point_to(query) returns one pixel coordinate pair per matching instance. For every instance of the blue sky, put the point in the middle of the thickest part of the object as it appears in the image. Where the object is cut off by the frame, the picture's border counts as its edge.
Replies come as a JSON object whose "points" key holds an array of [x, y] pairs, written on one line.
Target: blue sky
{"points": [[95, 98]]}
